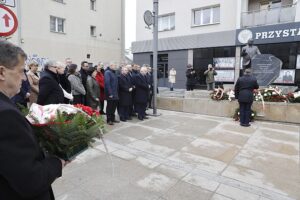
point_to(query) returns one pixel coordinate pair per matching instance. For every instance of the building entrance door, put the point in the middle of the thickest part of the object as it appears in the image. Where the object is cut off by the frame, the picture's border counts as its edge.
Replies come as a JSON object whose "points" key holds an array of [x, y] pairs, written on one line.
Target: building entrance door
{"points": [[162, 70]]}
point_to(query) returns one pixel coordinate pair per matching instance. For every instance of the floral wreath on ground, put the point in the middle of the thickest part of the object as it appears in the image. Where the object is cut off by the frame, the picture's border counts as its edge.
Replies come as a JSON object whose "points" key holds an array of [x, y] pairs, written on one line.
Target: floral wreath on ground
{"points": [[294, 97], [219, 94]]}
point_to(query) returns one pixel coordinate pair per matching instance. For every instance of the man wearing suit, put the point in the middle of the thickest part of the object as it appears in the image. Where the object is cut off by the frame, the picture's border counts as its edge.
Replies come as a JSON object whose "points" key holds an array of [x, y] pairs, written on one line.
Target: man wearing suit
{"points": [[111, 88], [25, 173], [244, 93], [142, 92], [125, 94]]}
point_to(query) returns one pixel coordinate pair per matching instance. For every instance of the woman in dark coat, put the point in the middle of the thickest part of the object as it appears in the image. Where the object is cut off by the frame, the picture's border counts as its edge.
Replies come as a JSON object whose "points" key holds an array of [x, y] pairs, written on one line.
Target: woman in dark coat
{"points": [[50, 90], [190, 78], [125, 95], [93, 89], [142, 92]]}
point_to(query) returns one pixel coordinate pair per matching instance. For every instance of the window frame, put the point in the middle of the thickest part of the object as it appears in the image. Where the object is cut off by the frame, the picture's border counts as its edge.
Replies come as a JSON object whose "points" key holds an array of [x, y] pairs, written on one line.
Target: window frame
{"points": [[93, 5], [57, 24], [167, 15], [94, 28], [60, 1], [201, 16]]}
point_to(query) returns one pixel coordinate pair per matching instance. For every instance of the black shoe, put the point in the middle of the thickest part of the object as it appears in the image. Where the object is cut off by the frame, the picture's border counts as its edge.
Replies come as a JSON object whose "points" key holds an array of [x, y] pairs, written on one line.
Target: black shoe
{"points": [[146, 117], [102, 113], [146, 114], [140, 118], [129, 118], [123, 120]]}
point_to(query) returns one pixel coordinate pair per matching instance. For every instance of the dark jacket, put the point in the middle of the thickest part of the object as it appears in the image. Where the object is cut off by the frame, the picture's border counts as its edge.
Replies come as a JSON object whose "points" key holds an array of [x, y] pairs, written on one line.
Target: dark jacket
{"points": [[93, 92], [141, 88], [84, 76], [190, 77], [24, 171], [20, 98], [111, 84], [125, 96], [50, 90], [244, 88], [65, 84]]}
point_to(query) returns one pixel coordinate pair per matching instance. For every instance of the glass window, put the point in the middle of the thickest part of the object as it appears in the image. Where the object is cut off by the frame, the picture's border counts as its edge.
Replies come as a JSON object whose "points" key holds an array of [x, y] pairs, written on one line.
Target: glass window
{"points": [[206, 16], [216, 15], [60, 1], [57, 24], [93, 4], [166, 23], [203, 16], [93, 31]]}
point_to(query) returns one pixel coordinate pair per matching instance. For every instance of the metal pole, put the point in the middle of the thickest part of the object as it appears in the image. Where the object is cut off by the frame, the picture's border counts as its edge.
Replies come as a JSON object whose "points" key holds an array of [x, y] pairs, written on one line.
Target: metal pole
{"points": [[19, 16], [155, 48]]}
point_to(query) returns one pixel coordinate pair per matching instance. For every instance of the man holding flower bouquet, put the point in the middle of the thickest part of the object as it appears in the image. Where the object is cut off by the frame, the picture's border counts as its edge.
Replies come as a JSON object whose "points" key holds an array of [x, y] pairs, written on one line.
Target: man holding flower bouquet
{"points": [[25, 172]]}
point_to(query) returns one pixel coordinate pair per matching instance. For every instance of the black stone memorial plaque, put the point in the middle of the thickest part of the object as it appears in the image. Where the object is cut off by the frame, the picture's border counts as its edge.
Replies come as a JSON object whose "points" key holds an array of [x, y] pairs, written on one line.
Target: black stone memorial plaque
{"points": [[266, 68]]}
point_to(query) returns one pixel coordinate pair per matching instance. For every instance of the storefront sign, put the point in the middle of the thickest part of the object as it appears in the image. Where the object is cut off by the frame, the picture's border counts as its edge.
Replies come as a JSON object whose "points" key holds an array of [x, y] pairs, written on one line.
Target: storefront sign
{"points": [[221, 63], [266, 68], [224, 76], [288, 32]]}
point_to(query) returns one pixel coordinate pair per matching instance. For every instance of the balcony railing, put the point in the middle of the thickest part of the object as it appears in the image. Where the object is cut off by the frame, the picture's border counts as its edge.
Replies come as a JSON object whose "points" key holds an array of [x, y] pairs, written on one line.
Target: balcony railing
{"points": [[269, 16]]}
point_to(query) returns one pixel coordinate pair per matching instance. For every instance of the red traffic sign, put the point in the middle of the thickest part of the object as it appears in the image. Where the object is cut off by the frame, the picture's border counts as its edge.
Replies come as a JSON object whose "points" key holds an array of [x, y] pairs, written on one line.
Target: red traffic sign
{"points": [[8, 21]]}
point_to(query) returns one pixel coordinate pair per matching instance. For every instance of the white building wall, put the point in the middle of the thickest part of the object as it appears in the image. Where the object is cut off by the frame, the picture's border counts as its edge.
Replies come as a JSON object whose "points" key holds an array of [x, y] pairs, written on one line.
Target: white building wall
{"points": [[76, 42], [183, 17]]}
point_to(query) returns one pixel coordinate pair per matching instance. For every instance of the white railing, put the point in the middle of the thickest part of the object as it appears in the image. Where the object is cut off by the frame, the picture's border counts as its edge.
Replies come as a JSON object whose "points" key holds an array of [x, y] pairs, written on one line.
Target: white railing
{"points": [[269, 16]]}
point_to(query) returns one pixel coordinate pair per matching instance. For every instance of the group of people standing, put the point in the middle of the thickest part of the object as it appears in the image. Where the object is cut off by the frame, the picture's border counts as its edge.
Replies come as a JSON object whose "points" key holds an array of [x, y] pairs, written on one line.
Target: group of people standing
{"points": [[191, 77], [127, 89], [130, 91]]}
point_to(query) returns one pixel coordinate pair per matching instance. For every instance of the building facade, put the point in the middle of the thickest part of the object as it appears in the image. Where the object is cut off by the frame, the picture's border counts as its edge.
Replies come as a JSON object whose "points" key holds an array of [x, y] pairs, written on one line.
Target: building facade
{"points": [[201, 32], [91, 30]]}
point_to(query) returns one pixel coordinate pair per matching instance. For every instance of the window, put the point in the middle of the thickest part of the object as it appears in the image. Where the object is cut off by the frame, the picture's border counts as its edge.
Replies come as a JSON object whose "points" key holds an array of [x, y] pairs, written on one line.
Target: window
{"points": [[93, 4], [93, 31], [57, 24], [208, 15], [166, 22], [60, 1]]}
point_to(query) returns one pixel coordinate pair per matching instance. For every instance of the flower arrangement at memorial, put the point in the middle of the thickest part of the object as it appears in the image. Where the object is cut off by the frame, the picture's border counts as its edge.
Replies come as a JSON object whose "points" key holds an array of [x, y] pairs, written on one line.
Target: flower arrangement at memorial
{"points": [[65, 130], [270, 94], [236, 115], [294, 97], [219, 94]]}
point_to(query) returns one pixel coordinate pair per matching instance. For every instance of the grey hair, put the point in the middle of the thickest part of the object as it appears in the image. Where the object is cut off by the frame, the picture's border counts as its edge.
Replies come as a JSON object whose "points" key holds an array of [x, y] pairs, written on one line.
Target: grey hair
{"points": [[50, 63]]}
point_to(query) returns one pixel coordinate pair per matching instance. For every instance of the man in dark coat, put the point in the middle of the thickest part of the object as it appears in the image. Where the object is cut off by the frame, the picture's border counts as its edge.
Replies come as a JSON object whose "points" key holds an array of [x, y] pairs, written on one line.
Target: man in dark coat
{"points": [[190, 78], [84, 75], [244, 93], [25, 173], [22, 97], [142, 92], [50, 92], [111, 88], [125, 94], [150, 82]]}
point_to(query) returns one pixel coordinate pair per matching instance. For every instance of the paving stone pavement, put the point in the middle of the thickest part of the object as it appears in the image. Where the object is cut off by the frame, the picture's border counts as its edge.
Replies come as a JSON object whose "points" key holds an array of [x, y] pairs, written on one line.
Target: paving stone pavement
{"points": [[182, 156]]}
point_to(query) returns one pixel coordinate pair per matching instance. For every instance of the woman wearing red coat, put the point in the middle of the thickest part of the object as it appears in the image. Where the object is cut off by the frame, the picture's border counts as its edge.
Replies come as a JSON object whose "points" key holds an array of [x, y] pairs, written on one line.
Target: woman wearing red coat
{"points": [[100, 80]]}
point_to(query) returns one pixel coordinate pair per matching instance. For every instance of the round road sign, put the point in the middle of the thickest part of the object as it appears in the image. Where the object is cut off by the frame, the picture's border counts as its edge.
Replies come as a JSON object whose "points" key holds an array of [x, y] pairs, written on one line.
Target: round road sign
{"points": [[8, 21]]}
